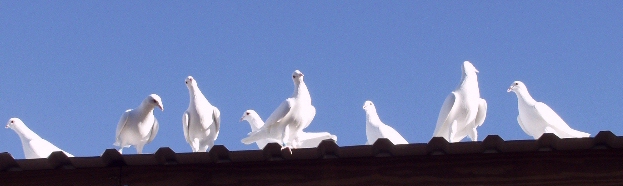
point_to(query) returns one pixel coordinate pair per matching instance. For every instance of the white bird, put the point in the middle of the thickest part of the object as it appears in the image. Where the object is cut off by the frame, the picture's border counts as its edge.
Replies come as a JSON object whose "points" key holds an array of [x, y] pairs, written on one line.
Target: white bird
{"points": [[376, 129], [290, 118], [536, 118], [463, 110], [306, 139], [201, 121], [139, 126], [33, 145]]}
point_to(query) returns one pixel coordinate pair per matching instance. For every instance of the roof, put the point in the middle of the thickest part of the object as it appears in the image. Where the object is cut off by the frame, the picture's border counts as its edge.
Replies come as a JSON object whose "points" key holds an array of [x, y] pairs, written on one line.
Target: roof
{"points": [[548, 160]]}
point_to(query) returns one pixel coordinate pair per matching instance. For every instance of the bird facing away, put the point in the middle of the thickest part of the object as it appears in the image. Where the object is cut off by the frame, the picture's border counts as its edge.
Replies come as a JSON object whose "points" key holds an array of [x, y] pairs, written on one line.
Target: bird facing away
{"points": [[463, 110], [201, 121], [536, 118], [290, 118], [376, 129], [306, 139], [138, 126], [33, 145]]}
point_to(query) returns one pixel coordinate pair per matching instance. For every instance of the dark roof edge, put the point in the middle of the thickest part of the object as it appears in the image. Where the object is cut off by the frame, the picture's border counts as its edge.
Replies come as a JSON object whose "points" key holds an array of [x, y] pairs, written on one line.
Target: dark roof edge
{"points": [[328, 149]]}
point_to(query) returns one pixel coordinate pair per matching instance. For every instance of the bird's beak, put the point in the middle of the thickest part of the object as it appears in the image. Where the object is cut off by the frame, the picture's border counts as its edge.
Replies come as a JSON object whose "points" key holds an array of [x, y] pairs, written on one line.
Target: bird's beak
{"points": [[510, 89], [477, 71], [161, 107], [241, 118], [6, 127]]}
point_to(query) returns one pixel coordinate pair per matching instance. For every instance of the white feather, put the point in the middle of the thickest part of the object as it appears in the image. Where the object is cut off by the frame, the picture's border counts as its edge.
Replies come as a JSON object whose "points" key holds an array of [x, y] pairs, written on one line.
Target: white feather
{"points": [[376, 129], [463, 110], [138, 126], [201, 121], [33, 145], [536, 118], [290, 118]]}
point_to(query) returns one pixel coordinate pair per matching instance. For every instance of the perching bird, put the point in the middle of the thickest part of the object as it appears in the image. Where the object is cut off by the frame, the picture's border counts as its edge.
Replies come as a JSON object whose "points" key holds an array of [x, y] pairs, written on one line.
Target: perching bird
{"points": [[536, 118], [290, 118], [376, 129], [33, 145], [463, 110], [201, 121], [256, 123], [139, 126], [306, 139]]}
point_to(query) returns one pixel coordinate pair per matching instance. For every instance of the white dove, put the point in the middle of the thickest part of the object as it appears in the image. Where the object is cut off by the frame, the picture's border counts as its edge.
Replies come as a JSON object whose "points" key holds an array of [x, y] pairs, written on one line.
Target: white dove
{"points": [[139, 126], [33, 145], [536, 118], [376, 129], [201, 121], [306, 139], [290, 118], [463, 110]]}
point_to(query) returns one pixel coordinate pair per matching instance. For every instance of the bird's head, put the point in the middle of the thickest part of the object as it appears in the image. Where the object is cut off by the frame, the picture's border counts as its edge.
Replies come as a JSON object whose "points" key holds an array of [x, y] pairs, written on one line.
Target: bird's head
{"points": [[190, 81], [515, 86], [368, 105], [297, 77], [469, 68], [12, 122], [155, 100], [248, 115]]}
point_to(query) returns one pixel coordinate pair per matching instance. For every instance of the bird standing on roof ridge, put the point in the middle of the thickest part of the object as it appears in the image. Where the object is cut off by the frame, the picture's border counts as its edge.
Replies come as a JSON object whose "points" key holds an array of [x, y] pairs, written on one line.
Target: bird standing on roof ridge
{"points": [[290, 118], [536, 118], [306, 139], [376, 129], [201, 121], [463, 110], [33, 145], [138, 126]]}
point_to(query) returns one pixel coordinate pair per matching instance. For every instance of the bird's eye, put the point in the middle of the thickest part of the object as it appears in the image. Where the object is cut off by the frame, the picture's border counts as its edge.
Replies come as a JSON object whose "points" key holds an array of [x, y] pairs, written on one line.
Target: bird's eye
{"points": [[186, 82], [248, 113], [12, 121], [293, 76], [154, 101], [516, 83]]}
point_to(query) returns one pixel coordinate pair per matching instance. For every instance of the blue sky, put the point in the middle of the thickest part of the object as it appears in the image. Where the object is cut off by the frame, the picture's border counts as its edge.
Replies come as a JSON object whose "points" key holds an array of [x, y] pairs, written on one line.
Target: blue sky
{"points": [[70, 69]]}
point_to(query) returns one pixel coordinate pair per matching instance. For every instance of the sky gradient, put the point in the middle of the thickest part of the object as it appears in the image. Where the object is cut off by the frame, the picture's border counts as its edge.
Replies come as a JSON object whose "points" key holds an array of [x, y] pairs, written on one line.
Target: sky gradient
{"points": [[70, 69]]}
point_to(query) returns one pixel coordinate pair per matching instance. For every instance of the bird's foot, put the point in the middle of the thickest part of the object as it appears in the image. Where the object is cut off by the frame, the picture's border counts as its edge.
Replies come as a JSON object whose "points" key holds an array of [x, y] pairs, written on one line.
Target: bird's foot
{"points": [[287, 147]]}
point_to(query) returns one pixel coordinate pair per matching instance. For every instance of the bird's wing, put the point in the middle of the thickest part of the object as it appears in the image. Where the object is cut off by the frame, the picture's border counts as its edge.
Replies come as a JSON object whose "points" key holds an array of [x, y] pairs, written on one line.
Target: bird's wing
{"points": [[554, 121], [391, 134], [482, 112], [523, 128], [312, 139], [216, 116], [154, 130], [185, 121], [279, 113], [265, 132], [120, 125], [446, 116], [42, 148]]}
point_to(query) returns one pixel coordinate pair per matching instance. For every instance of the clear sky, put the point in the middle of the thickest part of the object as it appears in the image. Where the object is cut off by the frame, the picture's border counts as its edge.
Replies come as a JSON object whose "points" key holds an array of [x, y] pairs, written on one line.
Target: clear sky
{"points": [[70, 69]]}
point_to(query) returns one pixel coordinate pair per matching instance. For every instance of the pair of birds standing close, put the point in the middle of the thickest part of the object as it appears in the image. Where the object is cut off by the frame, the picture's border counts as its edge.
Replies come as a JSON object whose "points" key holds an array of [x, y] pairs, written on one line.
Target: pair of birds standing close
{"points": [[463, 111], [200, 122]]}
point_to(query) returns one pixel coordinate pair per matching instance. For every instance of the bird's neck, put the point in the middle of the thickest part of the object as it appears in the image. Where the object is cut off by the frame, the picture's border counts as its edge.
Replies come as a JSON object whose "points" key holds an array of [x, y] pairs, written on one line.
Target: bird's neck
{"points": [[373, 117], [470, 81], [194, 92], [25, 133], [146, 108], [256, 123], [523, 96], [301, 92]]}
